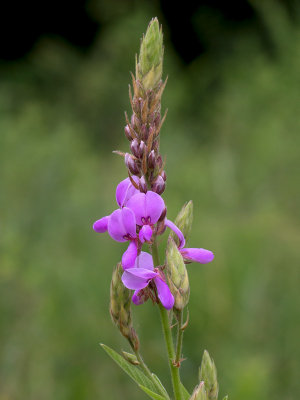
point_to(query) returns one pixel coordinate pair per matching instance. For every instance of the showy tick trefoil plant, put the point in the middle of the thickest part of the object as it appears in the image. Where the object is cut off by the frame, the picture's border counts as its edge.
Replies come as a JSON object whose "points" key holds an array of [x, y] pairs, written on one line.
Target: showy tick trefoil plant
{"points": [[139, 219]]}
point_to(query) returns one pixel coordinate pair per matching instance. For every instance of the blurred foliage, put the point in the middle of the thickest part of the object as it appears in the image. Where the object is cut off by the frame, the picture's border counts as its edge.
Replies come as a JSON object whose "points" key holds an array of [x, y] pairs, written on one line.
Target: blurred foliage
{"points": [[232, 145]]}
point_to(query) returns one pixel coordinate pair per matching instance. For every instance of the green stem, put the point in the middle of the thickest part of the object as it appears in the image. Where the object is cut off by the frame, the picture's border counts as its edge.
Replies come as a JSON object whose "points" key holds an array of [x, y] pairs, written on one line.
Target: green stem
{"points": [[179, 338], [168, 337]]}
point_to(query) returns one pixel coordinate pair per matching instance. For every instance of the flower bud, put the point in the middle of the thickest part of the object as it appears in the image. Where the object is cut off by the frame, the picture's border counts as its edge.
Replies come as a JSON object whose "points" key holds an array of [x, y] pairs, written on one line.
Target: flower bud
{"points": [[120, 307], [149, 67], [144, 132], [130, 358], [151, 160], [135, 123], [135, 148], [177, 276], [159, 185], [163, 175], [143, 185], [159, 161], [127, 132], [208, 374], [184, 221], [131, 164], [199, 392], [142, 148]]}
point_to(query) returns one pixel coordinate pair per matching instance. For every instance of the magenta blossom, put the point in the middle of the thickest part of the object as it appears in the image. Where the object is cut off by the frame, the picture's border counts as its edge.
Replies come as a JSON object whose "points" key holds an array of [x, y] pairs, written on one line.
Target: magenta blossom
{"points": [[122, 227], [121, 224], [147, 208], [141, 275], [124, 191], [201, 256]]}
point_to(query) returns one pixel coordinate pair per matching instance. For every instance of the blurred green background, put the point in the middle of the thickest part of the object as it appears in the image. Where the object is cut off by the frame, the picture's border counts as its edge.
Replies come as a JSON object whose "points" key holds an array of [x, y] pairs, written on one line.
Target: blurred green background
{"points": [[232, 144]]}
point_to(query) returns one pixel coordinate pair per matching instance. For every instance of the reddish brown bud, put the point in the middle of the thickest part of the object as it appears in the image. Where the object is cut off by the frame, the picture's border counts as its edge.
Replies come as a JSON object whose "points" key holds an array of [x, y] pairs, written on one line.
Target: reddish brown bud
{"points": [[143, 185], [151, 160], [127, 132], [142, 148], [135, 123], [144, 132], [135, 147], [131, 164], [159, 161], [159, 185]]}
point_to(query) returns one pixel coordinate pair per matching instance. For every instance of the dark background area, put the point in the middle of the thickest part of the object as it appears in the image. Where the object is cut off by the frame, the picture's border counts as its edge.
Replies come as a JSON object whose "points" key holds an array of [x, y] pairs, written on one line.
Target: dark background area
{"points": [[232, 143]]}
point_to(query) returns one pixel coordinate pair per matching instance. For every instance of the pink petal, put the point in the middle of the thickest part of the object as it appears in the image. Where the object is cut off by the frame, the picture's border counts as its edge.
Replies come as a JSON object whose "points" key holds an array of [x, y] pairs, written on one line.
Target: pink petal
{"points": [[164, 293], [125, 190], [121, 224], [129, 256], [137, 278], [201, 256], [177, 231], [100, 226], [145, 233], [155, 206], [136, 299], [147, 207], [144, 260]]}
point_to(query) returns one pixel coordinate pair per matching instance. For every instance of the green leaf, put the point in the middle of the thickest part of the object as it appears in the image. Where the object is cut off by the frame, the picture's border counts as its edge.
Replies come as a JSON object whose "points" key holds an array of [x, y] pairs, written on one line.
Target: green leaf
{"points": [[133, 371], [161, 386], [226, 398], [151, 394], [185, 393]]}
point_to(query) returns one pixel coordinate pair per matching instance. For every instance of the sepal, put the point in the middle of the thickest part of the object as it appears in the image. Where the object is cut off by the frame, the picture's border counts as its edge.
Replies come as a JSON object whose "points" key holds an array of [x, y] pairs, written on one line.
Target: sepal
{"points": [[177, 276], [208, 374], [199, 392], [184, 221]]}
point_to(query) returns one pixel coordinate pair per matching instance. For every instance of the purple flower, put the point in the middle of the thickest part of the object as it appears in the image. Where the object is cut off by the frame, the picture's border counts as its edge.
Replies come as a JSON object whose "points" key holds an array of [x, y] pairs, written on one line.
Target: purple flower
{"points": [[201, 256], [125, 190], [147, 208], [141, 275], [122, 227]]}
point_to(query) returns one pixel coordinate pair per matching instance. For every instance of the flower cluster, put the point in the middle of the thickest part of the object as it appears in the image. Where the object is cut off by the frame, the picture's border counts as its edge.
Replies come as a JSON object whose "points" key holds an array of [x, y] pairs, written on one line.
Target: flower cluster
{"points": [[140, 217]]}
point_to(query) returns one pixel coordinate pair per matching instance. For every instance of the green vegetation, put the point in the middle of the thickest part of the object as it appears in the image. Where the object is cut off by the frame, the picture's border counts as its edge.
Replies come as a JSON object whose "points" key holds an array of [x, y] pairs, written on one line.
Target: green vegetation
{"points": [[232, 143]]}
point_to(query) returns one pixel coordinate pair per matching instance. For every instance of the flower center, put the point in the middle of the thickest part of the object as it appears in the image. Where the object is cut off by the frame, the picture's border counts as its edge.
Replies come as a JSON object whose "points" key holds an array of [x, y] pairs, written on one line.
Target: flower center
{"points": [[146, 220], [127, 237]]}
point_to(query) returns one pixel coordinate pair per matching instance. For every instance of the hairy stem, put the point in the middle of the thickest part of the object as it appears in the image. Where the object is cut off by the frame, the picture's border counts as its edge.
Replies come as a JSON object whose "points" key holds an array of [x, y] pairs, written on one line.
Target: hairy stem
{"points": [[179, 338], [168, 337]]}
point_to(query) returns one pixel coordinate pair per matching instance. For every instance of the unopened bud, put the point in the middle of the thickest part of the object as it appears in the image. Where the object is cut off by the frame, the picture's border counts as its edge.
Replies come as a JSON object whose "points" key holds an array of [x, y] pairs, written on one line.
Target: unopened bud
{"points": [[199, 392], [184, 221], [149, 67], [120, 307], [163, 175], [135, 148], [159, 161], [208, 374], [127, 132], [144, 132], [177, 276], [151, 160], [130, 358], [143, 185], [142, 148], [159, 185], [131, 164], [135, 123]]}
